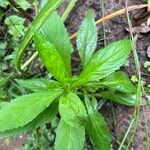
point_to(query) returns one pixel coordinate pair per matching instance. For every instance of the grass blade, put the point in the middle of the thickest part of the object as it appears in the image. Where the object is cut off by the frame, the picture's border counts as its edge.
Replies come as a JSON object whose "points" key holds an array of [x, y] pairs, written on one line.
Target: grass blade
{"points": [[46, 11]]}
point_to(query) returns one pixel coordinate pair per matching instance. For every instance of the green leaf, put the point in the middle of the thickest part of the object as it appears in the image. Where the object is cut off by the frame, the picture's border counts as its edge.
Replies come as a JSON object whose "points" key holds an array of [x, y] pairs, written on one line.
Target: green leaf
{"points": [[14, 20], [87, 38], [46, 11], [45, 117], [15, 25], [39, 84], [36, 84], [69, 138], [2, 104], [97, 128], [3, 3], [72, 110], [55, 31], [1, 80], [43, 3], [121, 98], [54, 85], [23, 4], [117, 81], [3, 46], [24, 109], [50, 56], [105, 62]]}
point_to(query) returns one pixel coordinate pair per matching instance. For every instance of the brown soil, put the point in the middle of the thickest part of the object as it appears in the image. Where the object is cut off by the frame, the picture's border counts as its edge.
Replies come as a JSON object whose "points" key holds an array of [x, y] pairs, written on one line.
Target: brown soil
{"points": [[114, 29], [13, 144]]}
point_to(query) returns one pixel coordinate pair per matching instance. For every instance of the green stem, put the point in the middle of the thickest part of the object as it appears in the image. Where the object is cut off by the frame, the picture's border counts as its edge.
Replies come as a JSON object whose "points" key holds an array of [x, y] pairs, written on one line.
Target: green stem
{"points": [[105, 19], [63, 18], [136, 116], [103, 15], [139, 88], [29, 60], [127, 132], [68, 10]]}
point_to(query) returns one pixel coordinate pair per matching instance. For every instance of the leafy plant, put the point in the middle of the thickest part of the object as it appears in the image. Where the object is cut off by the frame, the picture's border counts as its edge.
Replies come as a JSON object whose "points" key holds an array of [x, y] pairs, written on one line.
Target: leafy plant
{"points": [[15, 25], [23, 3], [72, 96], [43, 137], [13, 29]]}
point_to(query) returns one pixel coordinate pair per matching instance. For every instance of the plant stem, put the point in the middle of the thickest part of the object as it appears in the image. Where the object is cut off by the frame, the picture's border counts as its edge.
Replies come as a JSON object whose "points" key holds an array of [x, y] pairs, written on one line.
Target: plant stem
{"points": [[68, 10], [136, 59], [103, 15], [108, 17], [115, 14], [29, 60], [139, 88], [21, 10], [136, 116], [63, 18], [125, 136]]}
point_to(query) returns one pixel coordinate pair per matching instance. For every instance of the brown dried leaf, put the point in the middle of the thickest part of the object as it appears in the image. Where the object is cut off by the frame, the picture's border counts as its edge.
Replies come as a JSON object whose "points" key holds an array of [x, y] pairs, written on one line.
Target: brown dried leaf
{"points": [[140, 29]]}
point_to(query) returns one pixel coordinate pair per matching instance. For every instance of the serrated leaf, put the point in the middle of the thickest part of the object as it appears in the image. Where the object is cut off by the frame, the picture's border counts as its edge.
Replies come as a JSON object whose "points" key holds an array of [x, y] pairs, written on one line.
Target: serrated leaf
{"points": [[36, 84], [46, 11], [128, 99], [69, 138], [24, 109], [105, 62], [97, 128], [87, 38], [72, 110], [45, 117], [56, 33], [50, 56], [116, 81]]}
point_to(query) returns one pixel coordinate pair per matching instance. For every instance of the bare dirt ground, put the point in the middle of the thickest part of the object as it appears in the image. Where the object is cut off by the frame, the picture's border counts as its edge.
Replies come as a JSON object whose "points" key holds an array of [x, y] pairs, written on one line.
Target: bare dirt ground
{"points": [[13, 144], [115, 29]]}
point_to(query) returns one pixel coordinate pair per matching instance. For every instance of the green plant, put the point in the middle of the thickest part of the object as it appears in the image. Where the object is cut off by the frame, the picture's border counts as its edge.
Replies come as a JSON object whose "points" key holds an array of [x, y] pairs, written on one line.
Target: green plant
{"points": [[15, 26], [23, 3], [74, 97], [42, 138]]}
